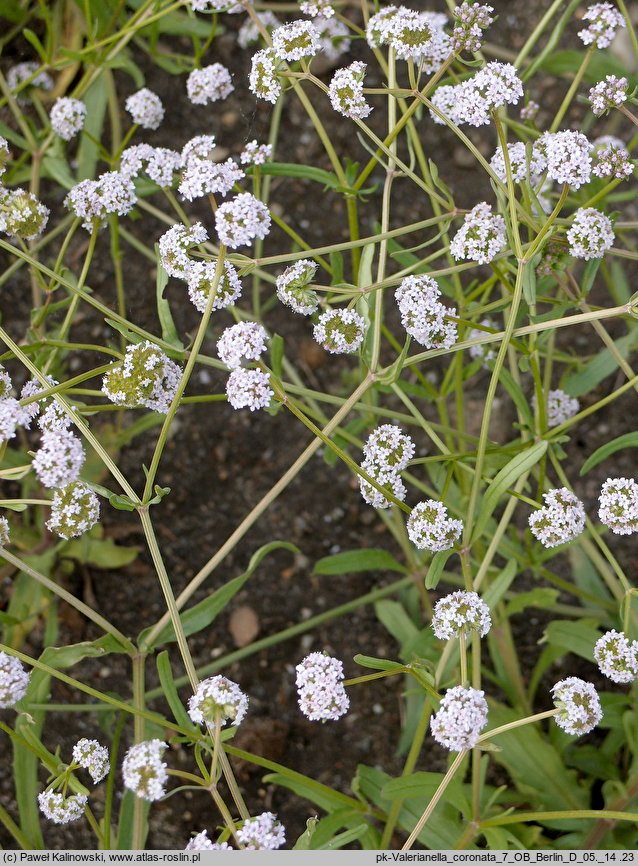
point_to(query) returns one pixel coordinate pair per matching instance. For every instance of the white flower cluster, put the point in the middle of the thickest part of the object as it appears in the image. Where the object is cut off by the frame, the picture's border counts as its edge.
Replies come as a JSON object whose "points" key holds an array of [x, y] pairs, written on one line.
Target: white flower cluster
{"points": [[560, 520], [249, 389], [530, 111], [255, 153], [201, 281], [423, 315], [525, 163], [579, 706], [263, 80], [12, 414], [215, 6], [471, 20], [13, 680], [158, 163], [67, 117], [241, 220], [346, 91], [605, 21], [146, 109], [93, 757], [292, 287], [333, 38], [295, 41], [417, 36], [461, 717], [28, 71], [174, 246], [459, 613], [608, 94], [430, 528], [93, 200], [202, 177], [618, 505], [209, 84], [473, 101], [60, 809], [22, 215], [387, 452], [340, 331], [143, 770], [617, 658], [245, 341], [264, 832], [481, 236], [58, 461], [146, 377], [217, 698], [590, 234], [611, 158], [560, 407], [319, 681], [316, 8], [568, 156], [201, 842], [74, 510], [483, 352]]}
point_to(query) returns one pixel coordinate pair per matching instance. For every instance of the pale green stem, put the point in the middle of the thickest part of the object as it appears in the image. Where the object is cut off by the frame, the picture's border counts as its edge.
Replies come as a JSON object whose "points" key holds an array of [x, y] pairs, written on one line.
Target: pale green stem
{"points": [[562, 111], [139, 735], [517, 724], [445, 781]]}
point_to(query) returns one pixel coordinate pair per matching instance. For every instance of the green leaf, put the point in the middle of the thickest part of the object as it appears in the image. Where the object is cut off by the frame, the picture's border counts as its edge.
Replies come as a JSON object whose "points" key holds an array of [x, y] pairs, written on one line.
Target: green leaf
{"points": [[123, 60], [350, 561], [509, 474], [627, 440], [378, 664], [575, 637], [169, 688], [321, 795], [95, 99], [395, 618], [203, 614], [57, 168], [421, 784], [169, 331], [303, 842], [345, 838], [499, 586], [529, 279], [30, 36], [99, 552], [539, 597], [276, 354], [122, 503], [599, 367], [589, 275], [308, 172], [601, 63], [436, 567]]}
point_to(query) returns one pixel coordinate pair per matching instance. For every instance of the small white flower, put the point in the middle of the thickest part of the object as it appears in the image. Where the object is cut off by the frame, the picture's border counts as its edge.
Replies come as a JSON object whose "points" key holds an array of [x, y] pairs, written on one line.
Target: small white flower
{"points": [[389, 448], [568, 156], [249, 389], [608, 94], [67, 117], [483, 352], [204, 177], [241, 220], [174, 246], [445, 99], [530, 111], [319, 682], [249, 32], [560, 407], [525, 163], [93, 200], [243, 341], [209, 84], [459, 613], [316, 8], [590, 234], [391, 480], [423, 316], [618, 505], [201, 280], [60, 809], [217, 697], [291, 287], [579, 705], [605, 21], [263, 80], [59, 459], [93, 757], [264, 832], [461, 717], [295, 41], [22, 215], [143, 770], [346, 91], [201, 842], [146, 109], [611, 158], [561, 519], [617, 658], [472, 19], [13, 680], [11, 416], [495, 85], [255, 153], [21, 72], [340, 331], [158, 163], [481, 236], [333, 38], [430, 528], [74, 510]]}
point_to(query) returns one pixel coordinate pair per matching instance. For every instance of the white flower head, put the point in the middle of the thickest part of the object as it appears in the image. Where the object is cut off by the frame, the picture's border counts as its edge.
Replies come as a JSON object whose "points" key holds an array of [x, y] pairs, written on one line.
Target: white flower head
{"points": [[471, 20], [430, 528], [617, 657], [158, 163], [174, 246], [611, 158], [481, 237], [59, 459], [605, 21], [608, 94], [417, 36], [319, 682], [263, 80], [217, 698], [93, 200], [93, 757], [590, 234], [13, 680], [389, 448], [201, 842], [560, 520], [483, 352], [568, 156], [525, 163], [67, 117], [209, 84], [201, 281], [241, 220], [316, 8], [340, 331], [31, 72], [579, 705], [530, 111], [461, 717], [11, 416], [74, 510], [346, 91], [560, 407], [60, 809], [445, 99], [249, 32], [295, 41], [249, 389], [146, 377], [202, 177], [292, 287], [245, 341], [423, 316], [618, 505], [459, 613], [255, 153], [492, 87], [146, 109], [263, 832], [143, 770], [22, 215], [391, 480]]}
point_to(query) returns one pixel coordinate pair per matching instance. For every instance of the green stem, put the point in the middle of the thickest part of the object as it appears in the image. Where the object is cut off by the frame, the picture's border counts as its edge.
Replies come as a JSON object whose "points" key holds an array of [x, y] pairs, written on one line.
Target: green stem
{"points": [[445, 781]]}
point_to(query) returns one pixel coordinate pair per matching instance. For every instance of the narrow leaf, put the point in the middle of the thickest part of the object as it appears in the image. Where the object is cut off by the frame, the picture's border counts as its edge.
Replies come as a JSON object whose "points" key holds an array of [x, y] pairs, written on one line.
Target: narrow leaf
{"points": [[628, 440], [351, 561]]}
